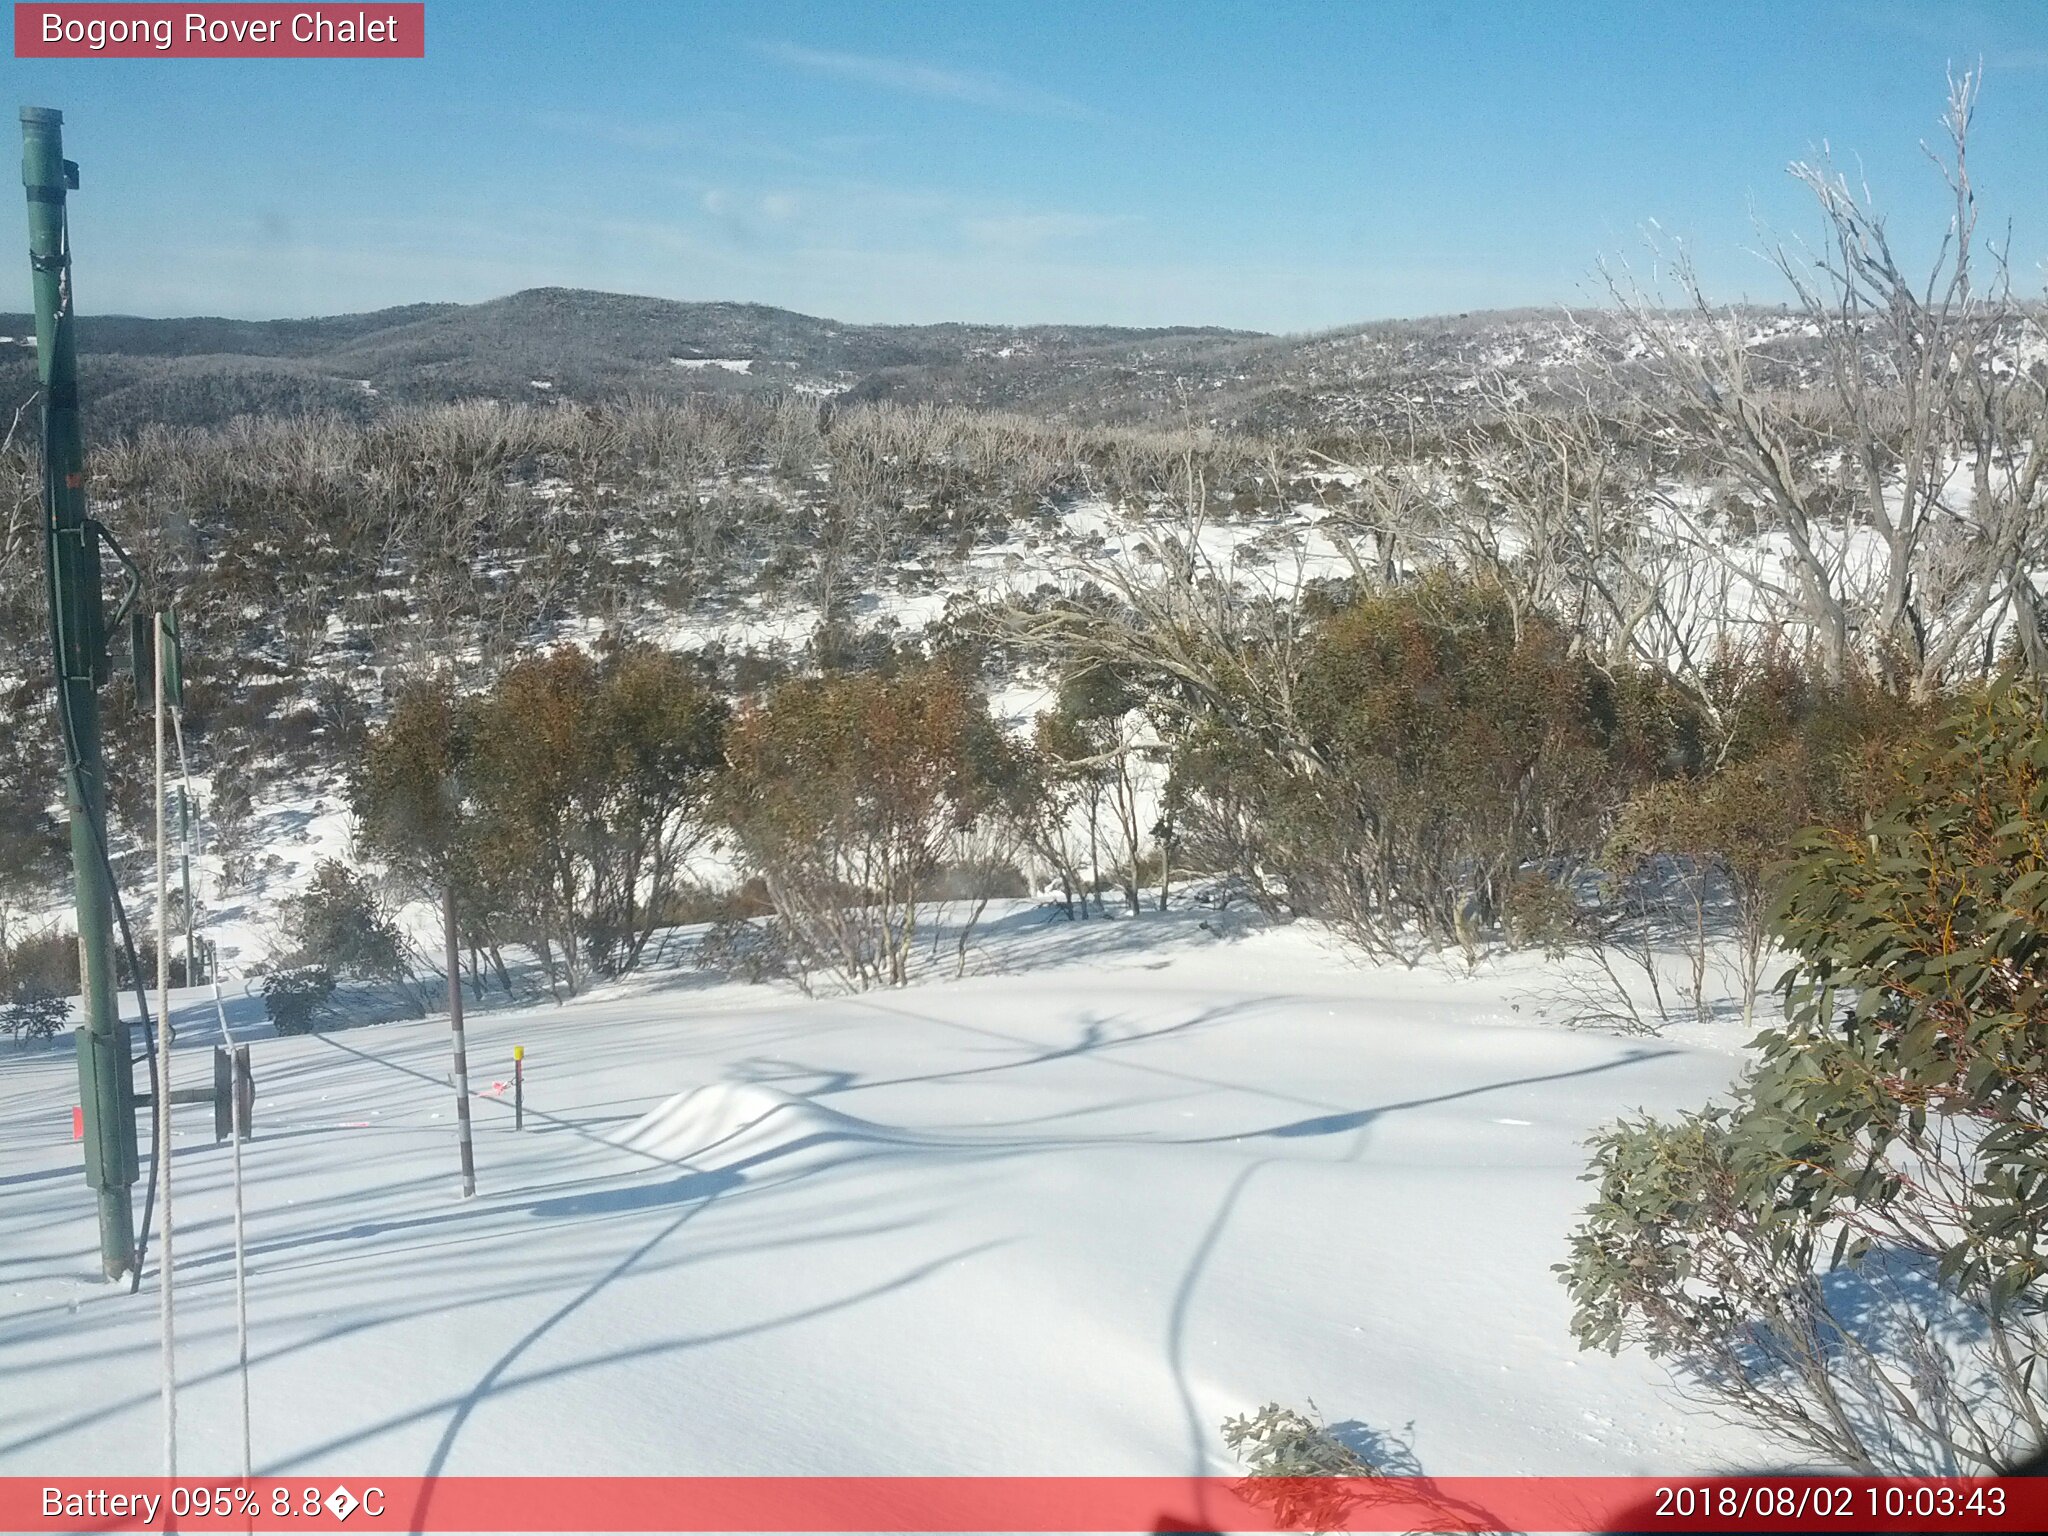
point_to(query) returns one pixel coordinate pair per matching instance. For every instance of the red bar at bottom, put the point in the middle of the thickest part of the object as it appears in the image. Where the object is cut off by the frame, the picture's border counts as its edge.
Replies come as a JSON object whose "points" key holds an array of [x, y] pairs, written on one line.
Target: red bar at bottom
{"points": [[1064, 1504]]}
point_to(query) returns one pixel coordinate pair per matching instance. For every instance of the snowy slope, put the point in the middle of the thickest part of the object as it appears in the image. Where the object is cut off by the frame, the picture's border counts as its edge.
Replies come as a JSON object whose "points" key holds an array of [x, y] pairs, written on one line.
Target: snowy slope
{"points": [[1058, 1218]]}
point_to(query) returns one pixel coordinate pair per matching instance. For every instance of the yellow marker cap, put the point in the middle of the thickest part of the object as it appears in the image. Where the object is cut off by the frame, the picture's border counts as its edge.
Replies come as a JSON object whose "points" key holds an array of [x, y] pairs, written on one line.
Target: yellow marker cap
{"points": [[519, 1053]]}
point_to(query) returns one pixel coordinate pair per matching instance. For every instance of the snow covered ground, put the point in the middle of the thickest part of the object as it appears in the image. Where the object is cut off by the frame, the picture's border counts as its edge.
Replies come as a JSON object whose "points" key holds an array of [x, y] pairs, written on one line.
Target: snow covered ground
{"points": [[1060, 1217]]}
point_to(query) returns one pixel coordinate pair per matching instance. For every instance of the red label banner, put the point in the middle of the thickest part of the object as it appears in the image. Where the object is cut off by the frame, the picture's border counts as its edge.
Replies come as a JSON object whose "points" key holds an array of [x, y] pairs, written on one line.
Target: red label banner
{"points": [[318, 31], [1060, 1504]]}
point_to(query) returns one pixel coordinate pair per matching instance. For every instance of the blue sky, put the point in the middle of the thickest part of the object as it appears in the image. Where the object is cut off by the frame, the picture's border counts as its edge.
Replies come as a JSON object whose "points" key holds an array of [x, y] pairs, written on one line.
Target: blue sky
{"points": [[1280, 166]]}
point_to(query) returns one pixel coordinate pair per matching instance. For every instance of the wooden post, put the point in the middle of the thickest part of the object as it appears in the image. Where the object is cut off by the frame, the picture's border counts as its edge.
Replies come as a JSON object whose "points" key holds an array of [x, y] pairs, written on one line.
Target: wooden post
{"points": [[455, 1028], [223, 1094], [245, 1095], [518, 1087]]}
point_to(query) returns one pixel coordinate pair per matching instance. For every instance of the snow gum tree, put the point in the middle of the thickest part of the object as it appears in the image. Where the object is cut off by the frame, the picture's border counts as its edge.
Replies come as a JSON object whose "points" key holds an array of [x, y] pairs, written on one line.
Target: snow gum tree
{"points": [[655, 745], [413, 806], [1901, 482], [1063, 821], [1446, 742], [847, 793], [591, 778], [404, 792], [529, 737], [563, 803], [1787, 750], [1087, 746], [1850, 1253], [338, 922]]}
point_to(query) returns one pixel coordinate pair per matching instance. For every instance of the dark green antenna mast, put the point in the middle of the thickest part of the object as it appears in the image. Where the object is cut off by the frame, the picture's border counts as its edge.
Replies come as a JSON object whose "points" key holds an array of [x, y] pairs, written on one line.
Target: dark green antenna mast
{"points": [[71, 543]]}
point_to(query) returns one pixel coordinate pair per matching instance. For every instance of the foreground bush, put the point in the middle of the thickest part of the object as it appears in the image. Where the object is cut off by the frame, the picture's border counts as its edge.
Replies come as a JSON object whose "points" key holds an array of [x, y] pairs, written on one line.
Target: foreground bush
{"points": [[1444, 742], [848, 793], [1850, 1254], [42, 963], [561, 806], [1791, 751], [34, 1014], [293, 998], [339, 923]]}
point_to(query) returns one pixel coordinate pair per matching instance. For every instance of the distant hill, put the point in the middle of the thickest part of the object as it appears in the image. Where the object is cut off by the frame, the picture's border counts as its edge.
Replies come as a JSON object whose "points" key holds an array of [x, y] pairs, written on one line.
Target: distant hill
{"points": [[574, 344], [569, 343]]}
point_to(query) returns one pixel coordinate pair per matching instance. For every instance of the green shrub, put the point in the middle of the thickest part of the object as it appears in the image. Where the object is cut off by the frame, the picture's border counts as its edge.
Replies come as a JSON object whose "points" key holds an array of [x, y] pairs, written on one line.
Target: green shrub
{"points": [[562, 804], [294, 997], [848, 793], [1285, 1442], [42, 962], [1542, 912], [1850, 1253], [145, 957], [339, 924], [1447, 742], [1291, 1455], [34, 1014]]}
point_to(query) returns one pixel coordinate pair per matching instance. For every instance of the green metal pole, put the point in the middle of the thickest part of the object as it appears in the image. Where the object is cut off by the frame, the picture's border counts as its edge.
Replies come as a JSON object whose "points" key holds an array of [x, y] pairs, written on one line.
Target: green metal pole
{"points": [[77, 627]]}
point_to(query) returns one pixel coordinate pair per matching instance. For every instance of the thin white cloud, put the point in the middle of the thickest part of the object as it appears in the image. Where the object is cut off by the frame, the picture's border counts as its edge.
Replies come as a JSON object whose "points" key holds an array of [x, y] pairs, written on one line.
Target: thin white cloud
{"points": [[727, 135], [1014, 231], [974, 88], [881, 216]]}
